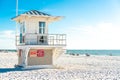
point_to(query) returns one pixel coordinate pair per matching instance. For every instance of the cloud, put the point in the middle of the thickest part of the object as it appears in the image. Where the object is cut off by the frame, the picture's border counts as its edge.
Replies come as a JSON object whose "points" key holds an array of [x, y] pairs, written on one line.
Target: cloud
{"points": [[102, 36], [7, 39], [9, 34]]}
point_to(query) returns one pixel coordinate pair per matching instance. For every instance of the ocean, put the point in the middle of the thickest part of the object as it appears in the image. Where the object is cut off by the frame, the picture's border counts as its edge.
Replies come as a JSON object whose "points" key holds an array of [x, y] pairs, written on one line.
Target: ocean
{"points": [[95, 52], [82, 52]]}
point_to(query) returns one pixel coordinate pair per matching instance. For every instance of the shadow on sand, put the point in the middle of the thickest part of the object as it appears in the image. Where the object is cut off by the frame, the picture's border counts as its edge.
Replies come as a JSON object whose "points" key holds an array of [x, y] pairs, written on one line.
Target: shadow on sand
{"points": [[4, 70]]}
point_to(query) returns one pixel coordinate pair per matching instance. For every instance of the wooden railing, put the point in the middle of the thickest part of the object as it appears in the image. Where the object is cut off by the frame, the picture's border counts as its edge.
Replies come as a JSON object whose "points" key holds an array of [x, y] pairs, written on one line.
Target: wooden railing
{"points": [[39, 39]]}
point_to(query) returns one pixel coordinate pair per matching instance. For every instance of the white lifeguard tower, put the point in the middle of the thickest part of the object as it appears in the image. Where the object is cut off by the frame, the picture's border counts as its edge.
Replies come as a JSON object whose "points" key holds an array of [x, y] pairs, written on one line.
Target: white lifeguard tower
{"points": [[35, 46]]}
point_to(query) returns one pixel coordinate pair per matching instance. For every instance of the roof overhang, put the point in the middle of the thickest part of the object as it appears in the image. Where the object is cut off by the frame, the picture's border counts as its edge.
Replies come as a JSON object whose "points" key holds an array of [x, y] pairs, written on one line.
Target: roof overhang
{"points": [[49, 18]]}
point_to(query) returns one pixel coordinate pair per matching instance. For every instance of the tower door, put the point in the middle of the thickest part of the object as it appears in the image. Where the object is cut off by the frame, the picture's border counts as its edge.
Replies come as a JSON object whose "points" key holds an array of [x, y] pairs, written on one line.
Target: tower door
{"points": [[22, 31], [21, 38]]}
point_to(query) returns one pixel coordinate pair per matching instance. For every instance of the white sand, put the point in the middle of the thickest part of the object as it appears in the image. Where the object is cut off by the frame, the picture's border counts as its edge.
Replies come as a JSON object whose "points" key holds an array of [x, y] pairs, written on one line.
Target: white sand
{"points": [[75, 68]]}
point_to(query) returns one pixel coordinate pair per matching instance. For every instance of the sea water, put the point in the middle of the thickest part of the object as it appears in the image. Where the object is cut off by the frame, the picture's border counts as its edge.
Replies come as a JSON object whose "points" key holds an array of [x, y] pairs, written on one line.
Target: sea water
{"points": [[82, 52], [95, 52]]}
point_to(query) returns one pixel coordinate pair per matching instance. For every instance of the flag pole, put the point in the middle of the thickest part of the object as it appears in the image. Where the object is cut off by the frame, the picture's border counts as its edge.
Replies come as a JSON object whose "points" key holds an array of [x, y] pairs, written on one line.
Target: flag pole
{"points": [[16, 7], [16, 23], [16, 15]]}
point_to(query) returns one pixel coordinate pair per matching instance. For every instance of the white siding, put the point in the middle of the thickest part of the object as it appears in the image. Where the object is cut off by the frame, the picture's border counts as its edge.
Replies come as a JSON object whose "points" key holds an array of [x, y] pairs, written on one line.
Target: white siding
{"points": [[32, 25]]}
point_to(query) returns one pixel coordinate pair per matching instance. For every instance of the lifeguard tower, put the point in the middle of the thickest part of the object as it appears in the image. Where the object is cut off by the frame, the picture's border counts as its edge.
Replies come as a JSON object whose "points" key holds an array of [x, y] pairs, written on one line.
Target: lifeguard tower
{"points": [[35, 46]]}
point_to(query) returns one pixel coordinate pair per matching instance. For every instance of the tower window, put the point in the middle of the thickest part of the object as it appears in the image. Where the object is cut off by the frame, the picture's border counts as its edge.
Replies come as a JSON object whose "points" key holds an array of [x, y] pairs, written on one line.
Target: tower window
{"points": [[41, 27]]}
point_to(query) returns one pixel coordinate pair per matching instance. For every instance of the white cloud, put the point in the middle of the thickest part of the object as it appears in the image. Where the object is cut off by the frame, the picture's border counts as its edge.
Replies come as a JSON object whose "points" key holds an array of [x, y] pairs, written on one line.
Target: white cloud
{"points": [[7, 34], [7, 39], [102, 36]]}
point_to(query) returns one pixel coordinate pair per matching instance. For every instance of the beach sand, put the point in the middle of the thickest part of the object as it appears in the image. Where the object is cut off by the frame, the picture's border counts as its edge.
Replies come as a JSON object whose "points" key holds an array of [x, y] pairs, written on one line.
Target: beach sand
{"points": [[68, 68]]}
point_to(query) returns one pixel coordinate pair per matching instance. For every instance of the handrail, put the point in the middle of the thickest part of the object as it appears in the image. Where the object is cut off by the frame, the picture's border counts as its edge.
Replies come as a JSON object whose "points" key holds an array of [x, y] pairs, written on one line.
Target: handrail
{"points": [[47, 39]]}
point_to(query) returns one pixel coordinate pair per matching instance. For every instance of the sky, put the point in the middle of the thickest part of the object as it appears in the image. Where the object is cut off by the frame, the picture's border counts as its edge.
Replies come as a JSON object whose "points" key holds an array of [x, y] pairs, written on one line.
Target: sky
{"points": [[89, 24]]}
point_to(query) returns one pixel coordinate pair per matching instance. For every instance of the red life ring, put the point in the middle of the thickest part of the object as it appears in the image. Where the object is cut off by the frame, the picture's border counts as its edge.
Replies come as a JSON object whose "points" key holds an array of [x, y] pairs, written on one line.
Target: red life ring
{"points": [[40, 53]]}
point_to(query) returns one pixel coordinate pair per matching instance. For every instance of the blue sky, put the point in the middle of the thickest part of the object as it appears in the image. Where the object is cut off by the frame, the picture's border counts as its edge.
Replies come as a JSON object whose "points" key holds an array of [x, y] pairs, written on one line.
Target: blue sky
{"points": [[89, 24]]}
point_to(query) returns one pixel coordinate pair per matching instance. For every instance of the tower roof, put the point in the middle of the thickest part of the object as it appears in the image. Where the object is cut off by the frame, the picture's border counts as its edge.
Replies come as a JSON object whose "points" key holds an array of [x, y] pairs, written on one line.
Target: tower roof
{"points": [[38, 14], [35, 12]]}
